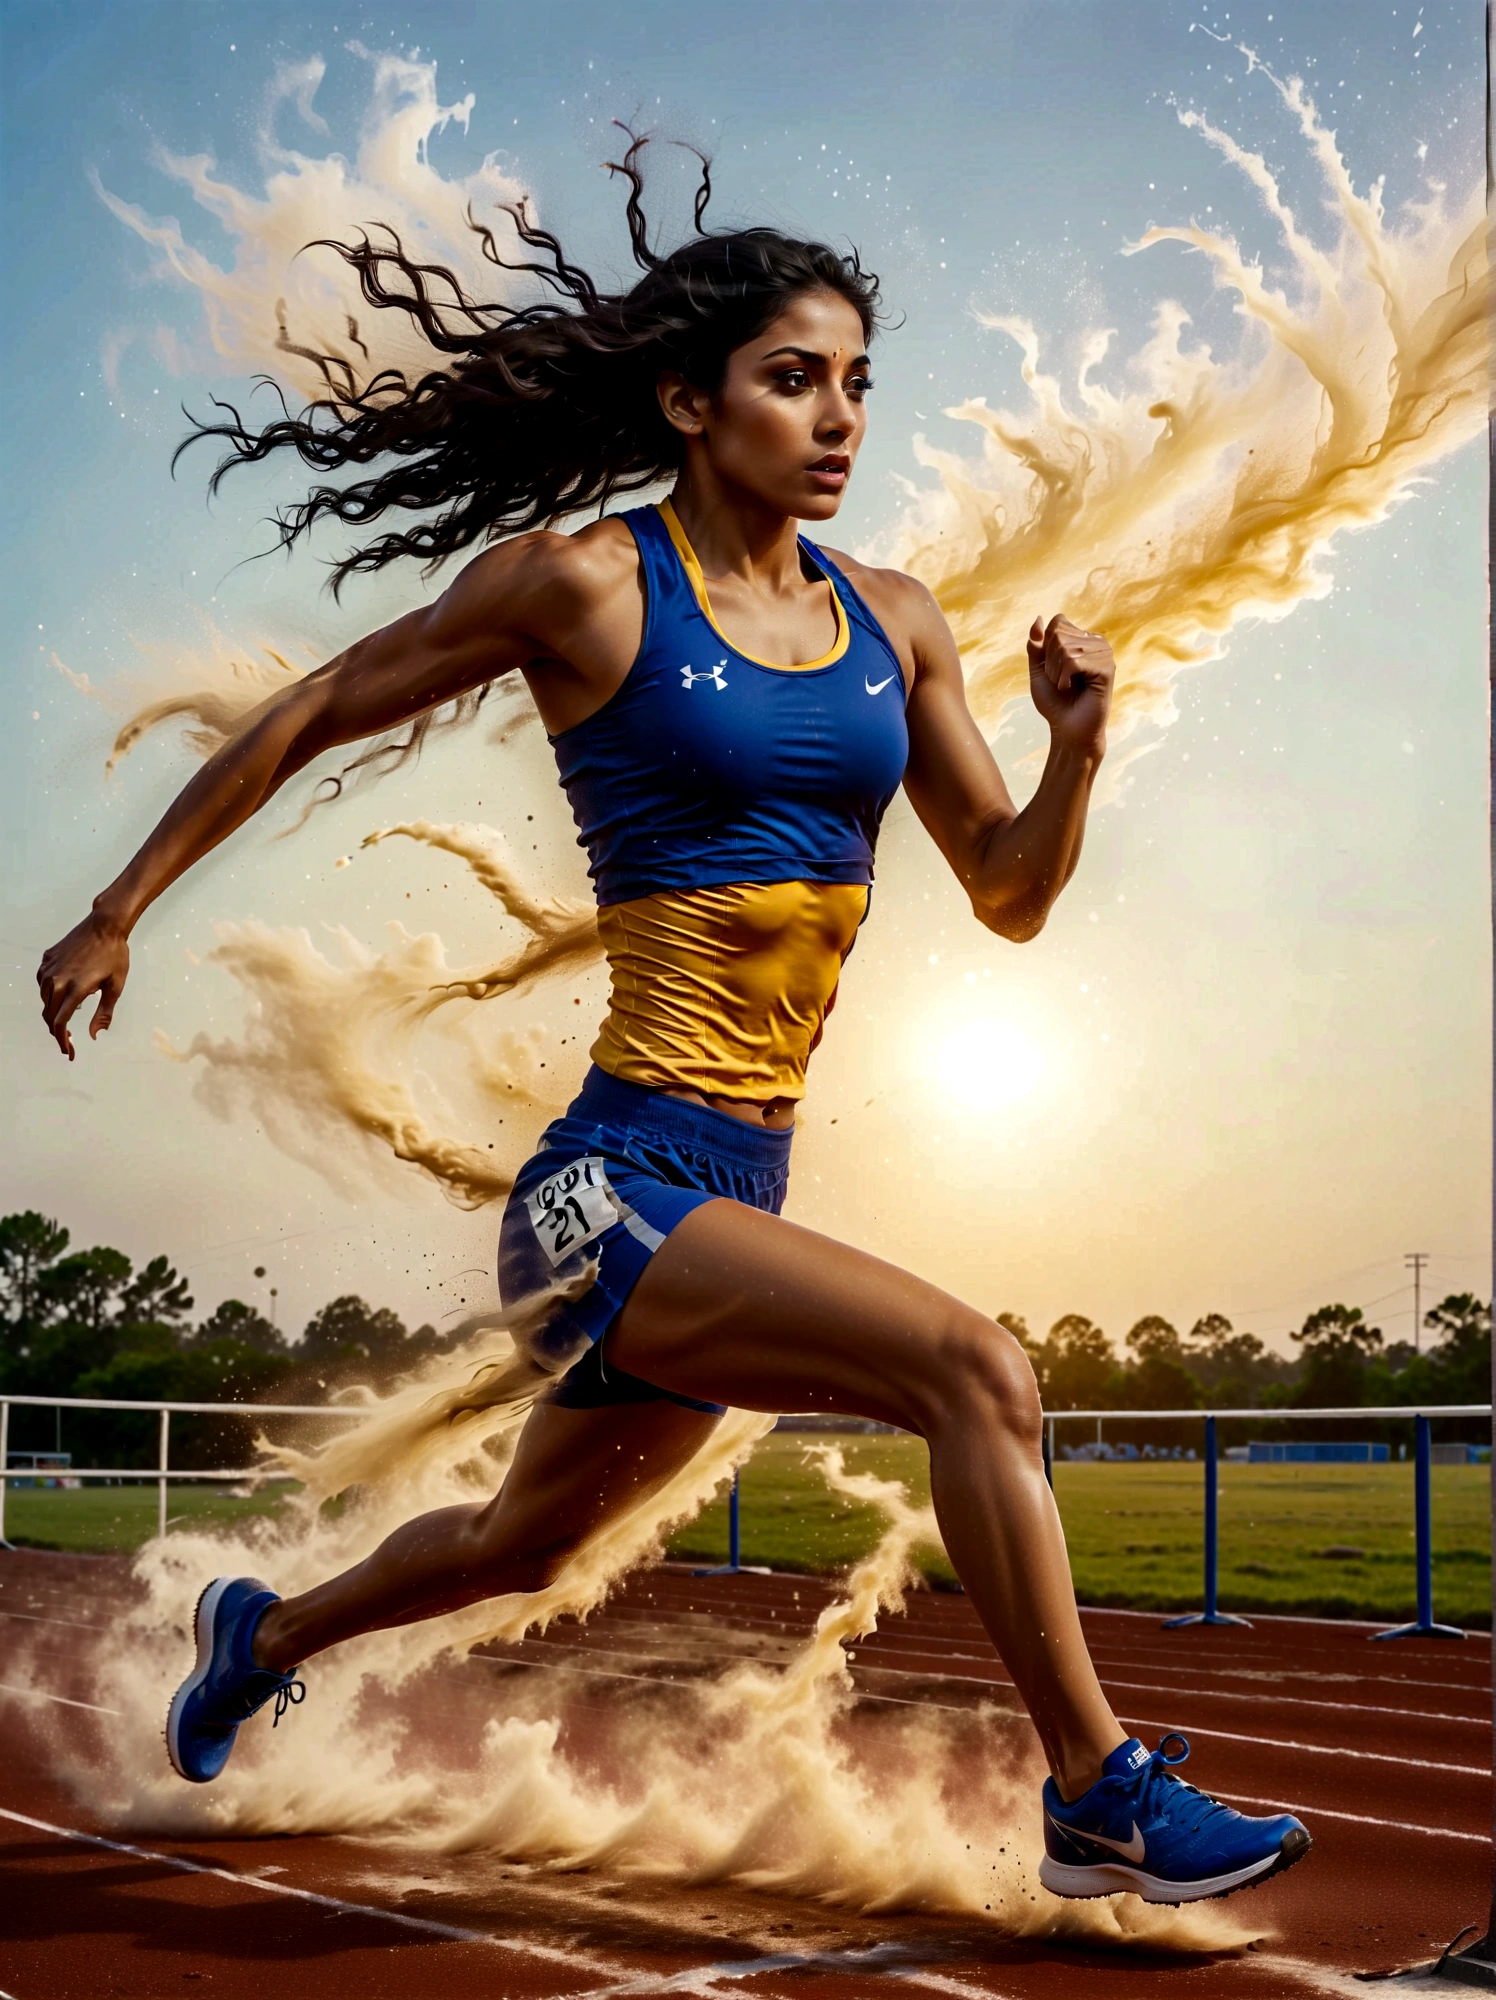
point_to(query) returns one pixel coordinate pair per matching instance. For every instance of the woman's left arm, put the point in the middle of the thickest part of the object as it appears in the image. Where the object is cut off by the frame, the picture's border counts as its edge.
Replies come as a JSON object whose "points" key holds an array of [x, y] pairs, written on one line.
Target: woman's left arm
{"points": [[1012, 864]]}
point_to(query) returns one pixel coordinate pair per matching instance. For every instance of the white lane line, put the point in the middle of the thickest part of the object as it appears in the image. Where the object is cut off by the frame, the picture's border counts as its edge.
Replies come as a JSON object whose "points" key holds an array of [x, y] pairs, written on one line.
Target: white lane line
{"points": [[625, 1981], [1019, 1716], [941, 1983], [252, 1881], [893, 1960], [860, 1694], [1284, 1674], [1302, 1701], [1357, 1819], [867, 1657], [580, 1963], [1321, 1749], [988, 1687], [40, 1694], [594, 1673], [36, 1618], [901, 1645]]}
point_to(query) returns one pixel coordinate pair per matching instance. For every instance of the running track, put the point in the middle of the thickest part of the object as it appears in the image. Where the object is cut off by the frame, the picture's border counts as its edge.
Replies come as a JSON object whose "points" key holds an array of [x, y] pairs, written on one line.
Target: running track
{"points": [[1385, 1750]]}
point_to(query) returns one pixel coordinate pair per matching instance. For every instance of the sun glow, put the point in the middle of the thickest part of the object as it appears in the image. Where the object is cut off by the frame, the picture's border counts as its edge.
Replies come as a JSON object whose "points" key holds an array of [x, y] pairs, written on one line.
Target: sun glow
{"points": [[981, 1063]]}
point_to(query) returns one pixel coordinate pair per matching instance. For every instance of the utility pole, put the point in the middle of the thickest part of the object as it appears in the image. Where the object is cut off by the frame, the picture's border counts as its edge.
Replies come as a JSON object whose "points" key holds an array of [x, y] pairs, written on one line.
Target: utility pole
{"points": [[259, 1273], [1414, 1261], [1476, 1964]]}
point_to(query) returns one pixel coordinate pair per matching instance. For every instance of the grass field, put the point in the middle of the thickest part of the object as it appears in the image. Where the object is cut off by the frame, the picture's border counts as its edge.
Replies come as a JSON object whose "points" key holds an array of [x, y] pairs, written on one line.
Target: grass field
{"points": [[115, 1520], [1133, 1530]]}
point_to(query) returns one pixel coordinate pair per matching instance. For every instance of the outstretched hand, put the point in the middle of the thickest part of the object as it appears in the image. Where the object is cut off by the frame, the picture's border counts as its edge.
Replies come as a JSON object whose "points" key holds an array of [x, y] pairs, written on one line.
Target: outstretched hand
{"points": [[1070, 677], [94, 957]]}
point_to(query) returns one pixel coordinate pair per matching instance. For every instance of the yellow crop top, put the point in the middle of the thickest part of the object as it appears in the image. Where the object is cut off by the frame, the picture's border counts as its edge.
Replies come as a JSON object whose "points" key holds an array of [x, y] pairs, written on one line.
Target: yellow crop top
{"points": [[724, 990]]}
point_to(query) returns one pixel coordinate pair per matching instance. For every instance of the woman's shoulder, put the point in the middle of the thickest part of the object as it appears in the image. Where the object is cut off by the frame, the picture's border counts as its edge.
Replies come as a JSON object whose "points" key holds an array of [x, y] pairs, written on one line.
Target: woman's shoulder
{"points": [[575, 572], [900, 602], [600, 553]]}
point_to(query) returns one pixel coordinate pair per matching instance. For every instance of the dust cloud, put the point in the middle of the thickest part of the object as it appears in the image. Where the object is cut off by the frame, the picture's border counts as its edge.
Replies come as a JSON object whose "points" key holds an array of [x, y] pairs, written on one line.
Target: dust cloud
{"points": [[760, 1776], [211, 690], [1161, 500], [295, 314], [328, 1050], [1202, 492]]}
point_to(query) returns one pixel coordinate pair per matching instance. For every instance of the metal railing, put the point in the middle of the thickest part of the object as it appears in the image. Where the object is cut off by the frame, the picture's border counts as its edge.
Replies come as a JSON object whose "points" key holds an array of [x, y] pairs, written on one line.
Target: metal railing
{"points": [[1210, 1613], [162, 1469]]}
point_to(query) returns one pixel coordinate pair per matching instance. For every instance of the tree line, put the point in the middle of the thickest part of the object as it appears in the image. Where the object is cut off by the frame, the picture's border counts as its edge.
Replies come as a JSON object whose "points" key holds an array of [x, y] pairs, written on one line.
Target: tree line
{"points": [[1340, 1361], [77, 1322], [88, 1323]]}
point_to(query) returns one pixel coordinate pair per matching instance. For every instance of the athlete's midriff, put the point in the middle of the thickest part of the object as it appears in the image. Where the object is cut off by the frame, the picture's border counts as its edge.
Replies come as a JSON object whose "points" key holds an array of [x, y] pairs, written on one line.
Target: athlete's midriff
{"points": [[723, 991]]}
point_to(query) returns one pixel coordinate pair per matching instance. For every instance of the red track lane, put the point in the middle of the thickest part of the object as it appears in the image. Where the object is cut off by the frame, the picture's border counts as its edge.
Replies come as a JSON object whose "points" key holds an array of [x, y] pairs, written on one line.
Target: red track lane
{"points": [[1386, 1750]]}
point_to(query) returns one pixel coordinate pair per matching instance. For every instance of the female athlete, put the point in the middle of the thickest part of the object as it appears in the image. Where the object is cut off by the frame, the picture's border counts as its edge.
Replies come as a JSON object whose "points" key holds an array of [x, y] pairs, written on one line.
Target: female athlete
{"points": [[731, 708]]}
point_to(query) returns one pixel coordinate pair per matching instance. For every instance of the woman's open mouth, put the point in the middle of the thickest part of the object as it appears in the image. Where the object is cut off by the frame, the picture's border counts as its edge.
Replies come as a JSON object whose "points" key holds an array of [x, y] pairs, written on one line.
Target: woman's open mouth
{"points": [[831, 472]]}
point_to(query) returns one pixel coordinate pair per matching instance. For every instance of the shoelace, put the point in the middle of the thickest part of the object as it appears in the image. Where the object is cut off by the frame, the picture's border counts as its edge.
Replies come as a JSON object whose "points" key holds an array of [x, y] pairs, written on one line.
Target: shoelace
{"points": [[1191, 1812], [290, 1694], [252, 1694]]}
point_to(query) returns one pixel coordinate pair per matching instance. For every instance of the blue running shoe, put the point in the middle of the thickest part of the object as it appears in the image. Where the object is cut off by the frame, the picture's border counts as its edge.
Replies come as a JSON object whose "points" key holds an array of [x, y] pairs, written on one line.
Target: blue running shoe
{"points": [[1143, 1830], [225, 1687]]}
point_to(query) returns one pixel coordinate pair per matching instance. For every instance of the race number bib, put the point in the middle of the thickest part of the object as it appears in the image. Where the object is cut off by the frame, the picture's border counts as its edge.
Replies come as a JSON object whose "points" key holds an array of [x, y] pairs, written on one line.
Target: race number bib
{"points": [[572, 1207]]}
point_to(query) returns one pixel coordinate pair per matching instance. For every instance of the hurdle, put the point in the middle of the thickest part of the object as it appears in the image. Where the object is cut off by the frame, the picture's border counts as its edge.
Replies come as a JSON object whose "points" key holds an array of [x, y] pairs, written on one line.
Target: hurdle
{"points": [[1423, 1625], [734, 1566], [1210, 1613]]}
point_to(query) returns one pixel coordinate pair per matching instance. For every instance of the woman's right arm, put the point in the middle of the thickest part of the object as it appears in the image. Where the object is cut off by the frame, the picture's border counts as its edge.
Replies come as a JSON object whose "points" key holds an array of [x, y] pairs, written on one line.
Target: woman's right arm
{"points": [[484, 625]]}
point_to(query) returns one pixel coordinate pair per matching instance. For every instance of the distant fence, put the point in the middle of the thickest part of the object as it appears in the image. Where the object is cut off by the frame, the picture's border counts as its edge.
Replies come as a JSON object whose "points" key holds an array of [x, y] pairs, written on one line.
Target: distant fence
{"points": [[162, 1470], [1210, 1613], [1422, 1416], [1358, 1414]]}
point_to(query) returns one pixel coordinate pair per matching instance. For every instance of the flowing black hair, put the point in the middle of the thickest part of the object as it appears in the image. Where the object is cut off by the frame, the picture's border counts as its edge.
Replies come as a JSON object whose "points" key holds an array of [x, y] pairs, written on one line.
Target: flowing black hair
{"points": [[541, 410]]}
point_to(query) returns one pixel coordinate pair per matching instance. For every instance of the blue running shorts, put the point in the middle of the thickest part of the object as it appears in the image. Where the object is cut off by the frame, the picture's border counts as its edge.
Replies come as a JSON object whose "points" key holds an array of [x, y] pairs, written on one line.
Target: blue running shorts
{"points": [[611, 1178]]}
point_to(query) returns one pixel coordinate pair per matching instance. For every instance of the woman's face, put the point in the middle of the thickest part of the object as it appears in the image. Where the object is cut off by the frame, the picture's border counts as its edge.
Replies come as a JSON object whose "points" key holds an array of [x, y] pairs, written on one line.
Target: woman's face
{"points": [[785, 427]]}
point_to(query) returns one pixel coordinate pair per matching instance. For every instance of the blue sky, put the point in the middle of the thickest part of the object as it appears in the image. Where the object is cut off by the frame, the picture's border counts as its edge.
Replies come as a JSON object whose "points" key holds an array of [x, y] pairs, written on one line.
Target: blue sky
{"points": [[1295, 1088]]}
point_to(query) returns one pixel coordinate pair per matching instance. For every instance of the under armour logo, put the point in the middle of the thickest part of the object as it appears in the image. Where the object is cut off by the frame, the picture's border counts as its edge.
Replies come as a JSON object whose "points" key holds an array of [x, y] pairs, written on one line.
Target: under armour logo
{"points": [[689, 677]]}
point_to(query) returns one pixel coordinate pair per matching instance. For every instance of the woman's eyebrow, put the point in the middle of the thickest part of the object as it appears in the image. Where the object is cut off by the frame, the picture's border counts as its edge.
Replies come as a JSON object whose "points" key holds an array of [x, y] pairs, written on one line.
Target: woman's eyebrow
{"points": [[810, 354]]}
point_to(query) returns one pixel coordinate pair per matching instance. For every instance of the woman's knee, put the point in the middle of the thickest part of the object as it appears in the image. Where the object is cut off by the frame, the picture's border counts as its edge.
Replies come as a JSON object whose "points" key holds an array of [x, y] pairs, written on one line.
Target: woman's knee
{"points": [[984, 1369]]}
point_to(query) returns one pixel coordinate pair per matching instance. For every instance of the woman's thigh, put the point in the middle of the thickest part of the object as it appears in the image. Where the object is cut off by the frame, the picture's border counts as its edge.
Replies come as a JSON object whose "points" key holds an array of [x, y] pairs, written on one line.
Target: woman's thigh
{"points": [[576, 1470], [747, 1309]]}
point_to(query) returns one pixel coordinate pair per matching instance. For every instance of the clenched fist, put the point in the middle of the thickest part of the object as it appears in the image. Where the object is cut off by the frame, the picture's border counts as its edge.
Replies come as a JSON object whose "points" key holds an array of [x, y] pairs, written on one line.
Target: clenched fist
{"points": [[1070, 677]]}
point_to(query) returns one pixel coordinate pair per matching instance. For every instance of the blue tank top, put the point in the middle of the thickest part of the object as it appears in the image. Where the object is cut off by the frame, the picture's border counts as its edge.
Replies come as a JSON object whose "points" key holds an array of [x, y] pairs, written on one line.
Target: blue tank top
{"points": [[709, 767]]}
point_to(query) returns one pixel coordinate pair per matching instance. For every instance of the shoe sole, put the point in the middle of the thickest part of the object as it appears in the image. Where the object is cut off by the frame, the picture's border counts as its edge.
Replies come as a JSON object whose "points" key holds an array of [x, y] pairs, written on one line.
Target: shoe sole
{"points": [[203, 1622], [1114, 1878]]}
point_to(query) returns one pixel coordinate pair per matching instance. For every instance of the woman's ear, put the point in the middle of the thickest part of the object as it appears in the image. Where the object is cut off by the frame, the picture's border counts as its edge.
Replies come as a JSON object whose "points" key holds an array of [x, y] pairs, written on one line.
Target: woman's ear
{"points": [[685, 407]]}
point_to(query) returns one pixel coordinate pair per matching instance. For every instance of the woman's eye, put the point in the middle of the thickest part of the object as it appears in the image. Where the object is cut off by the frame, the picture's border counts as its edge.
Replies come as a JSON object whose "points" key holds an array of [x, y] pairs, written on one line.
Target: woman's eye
{"points": [[860, 385], [794, 378]]}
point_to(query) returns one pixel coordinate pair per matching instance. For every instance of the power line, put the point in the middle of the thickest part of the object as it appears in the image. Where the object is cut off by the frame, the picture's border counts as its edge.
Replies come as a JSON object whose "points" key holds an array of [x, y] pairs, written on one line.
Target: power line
{"points": [[1325, 1284]]}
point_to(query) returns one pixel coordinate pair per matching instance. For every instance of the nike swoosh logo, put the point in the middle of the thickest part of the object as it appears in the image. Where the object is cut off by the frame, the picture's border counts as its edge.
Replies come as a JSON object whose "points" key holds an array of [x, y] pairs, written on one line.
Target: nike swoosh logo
{"points": [[1130, 1850], [880, 686]]}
